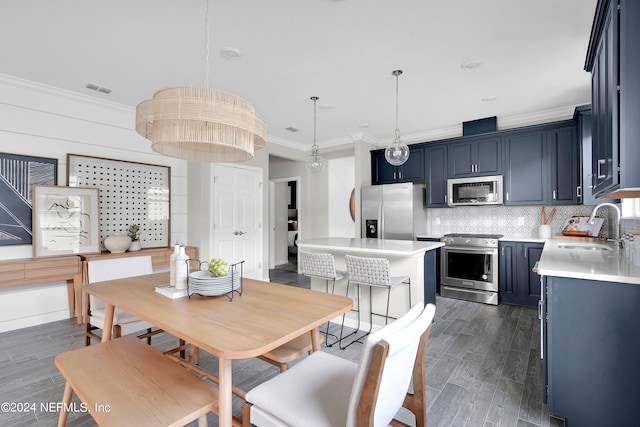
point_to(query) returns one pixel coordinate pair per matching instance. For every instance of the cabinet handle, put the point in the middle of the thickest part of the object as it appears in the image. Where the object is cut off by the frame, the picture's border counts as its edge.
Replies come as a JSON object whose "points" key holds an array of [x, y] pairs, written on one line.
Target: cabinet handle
{"points": [[600, 163], [525, 254], [502, 251], [507, 196], [554, 194], [400, 175], [578, 192], [445, 198], [394, 175]]}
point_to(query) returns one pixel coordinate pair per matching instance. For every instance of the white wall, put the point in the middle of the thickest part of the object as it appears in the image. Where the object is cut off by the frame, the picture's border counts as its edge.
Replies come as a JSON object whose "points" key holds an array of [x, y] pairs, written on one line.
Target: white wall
{"points": [[36, 120], [341, 183]]}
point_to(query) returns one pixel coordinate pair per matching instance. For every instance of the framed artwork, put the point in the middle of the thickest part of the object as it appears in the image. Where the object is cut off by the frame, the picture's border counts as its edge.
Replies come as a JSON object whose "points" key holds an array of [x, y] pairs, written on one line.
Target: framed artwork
{"points": [[130, 193], [65, 220], [18, 174]]}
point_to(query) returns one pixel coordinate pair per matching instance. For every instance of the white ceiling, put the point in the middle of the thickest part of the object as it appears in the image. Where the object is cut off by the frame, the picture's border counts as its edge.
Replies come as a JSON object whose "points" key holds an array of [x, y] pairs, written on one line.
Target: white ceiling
{"points": [[343, 51]]}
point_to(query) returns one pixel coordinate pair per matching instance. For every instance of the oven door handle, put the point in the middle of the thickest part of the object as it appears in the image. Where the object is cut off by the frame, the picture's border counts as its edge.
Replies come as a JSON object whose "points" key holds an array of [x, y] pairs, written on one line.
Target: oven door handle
{"points": [[475, 250]]}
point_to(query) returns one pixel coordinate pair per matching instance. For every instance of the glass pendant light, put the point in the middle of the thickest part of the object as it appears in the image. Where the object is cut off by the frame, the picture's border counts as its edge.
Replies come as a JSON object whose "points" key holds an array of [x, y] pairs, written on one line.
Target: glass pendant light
{"points": [[397, 152], [315, 162]]}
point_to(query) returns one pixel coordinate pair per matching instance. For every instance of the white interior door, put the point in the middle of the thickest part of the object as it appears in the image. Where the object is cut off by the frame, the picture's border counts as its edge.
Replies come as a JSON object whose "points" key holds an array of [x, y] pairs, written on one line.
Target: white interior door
{"points": [[237, 219]]}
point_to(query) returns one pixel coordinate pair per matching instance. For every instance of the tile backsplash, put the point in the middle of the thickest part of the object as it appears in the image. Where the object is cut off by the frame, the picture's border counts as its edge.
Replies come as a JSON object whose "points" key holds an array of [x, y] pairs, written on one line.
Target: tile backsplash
{"points": [[513, 221]]}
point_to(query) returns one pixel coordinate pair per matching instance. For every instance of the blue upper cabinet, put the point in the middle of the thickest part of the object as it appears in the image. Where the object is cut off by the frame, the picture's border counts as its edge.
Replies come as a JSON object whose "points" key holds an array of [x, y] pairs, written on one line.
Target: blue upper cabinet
{"points": [[526, 177], [613, 58], [564, 156], [436, 175], [542, 166], [475, 157], [384, 173]]}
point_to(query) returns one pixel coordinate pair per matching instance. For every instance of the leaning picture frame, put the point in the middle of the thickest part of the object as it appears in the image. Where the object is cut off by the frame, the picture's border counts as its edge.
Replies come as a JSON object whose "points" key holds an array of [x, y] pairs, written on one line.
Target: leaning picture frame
{"points": [[65, 221], [18, 174]]}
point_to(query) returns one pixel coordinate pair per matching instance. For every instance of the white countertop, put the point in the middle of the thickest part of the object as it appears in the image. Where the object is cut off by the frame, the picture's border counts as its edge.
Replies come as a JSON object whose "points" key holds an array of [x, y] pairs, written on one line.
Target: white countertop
{"points": [[573, 261], [370, 246]]}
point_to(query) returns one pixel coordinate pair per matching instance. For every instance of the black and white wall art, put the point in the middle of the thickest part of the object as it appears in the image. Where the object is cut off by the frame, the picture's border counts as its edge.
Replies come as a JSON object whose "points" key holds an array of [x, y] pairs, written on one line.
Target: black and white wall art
{"points": [[18, 174]]}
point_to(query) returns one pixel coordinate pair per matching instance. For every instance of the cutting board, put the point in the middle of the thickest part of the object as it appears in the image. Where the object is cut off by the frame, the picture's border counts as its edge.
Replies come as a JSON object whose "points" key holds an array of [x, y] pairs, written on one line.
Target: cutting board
{"points": [[583, 239]]}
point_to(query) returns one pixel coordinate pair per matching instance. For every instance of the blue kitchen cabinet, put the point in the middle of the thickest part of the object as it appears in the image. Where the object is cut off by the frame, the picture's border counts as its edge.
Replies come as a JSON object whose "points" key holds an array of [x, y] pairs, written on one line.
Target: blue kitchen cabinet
{"points": [[564, 156], [542, 165], [613, 58], [475, 157], [591, 351], [526, 177], [382, 172], [518, 284], [436, 176]]}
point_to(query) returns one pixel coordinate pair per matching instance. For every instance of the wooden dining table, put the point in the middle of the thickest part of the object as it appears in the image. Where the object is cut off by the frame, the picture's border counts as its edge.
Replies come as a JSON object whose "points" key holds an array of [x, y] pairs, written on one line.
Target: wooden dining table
{"points": [[265, 316]]}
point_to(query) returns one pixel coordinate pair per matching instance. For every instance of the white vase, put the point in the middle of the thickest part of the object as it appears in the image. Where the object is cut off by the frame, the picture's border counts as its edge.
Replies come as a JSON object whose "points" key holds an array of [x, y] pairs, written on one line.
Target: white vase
{"points": [[117, 243], [172, 265], [181, 269], [135, 246]]}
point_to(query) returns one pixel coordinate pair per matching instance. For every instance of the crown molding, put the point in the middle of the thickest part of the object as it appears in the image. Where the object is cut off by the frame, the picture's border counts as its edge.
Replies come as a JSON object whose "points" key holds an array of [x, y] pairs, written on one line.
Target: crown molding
{"points": [[17, 82]]}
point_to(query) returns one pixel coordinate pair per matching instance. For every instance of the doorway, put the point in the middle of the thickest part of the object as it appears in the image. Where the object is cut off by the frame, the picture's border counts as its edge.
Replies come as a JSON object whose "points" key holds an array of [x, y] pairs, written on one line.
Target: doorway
{"points": [[284, 226]]}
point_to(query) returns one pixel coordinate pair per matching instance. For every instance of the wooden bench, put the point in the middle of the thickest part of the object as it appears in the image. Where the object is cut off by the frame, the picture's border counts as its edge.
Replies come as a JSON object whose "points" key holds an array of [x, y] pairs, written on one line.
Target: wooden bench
{"points": [[127, 382]]}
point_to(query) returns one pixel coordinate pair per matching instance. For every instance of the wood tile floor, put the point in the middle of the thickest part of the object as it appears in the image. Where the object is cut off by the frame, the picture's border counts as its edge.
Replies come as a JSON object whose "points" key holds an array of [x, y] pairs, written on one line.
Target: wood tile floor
{"points": [[483, 367]]}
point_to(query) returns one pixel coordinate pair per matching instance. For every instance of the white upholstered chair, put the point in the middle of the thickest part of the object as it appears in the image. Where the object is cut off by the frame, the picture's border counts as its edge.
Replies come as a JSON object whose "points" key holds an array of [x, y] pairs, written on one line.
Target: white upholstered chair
{"points": [[373, 273], [324, 390], [123, 322]]}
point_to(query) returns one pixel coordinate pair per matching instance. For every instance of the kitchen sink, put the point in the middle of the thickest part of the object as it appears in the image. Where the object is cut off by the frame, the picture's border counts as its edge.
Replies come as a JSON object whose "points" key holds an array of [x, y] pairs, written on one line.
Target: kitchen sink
{"points": [[585, 246]]}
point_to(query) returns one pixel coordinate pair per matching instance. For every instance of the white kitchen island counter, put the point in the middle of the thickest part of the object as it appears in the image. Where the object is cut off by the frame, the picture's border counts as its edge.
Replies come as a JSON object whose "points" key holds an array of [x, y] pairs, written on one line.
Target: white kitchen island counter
{"points": [[370, 247], [406, 258]]}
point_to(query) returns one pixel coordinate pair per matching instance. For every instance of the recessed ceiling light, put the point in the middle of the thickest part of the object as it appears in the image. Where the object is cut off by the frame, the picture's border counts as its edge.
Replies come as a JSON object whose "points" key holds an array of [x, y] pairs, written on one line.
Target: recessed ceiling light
{"points": [[292, 129], [470, 65], [490, 98], [230, 52]]}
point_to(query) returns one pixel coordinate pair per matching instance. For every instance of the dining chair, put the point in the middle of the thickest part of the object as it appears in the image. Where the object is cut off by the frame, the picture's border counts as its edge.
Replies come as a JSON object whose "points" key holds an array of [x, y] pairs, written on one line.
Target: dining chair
{"points": [[325, 390], [321, 266], [373, 273], [123, 323]]}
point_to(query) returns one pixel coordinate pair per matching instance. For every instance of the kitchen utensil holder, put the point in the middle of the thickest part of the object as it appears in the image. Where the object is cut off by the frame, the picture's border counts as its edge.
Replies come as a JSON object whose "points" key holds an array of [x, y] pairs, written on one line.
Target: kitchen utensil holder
{"points": [[233, 269]]}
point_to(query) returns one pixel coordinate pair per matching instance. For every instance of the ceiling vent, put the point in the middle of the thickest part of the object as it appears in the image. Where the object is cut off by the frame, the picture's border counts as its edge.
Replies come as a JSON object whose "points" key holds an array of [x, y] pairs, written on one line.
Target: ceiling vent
{"points": [[92, 86], [292, 129]]}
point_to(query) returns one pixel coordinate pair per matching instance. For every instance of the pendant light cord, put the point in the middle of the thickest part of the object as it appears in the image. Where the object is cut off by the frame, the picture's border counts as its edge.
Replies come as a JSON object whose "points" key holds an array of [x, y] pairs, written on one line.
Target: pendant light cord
{"points": [[206, 43], [397, 73], [314, 149]]}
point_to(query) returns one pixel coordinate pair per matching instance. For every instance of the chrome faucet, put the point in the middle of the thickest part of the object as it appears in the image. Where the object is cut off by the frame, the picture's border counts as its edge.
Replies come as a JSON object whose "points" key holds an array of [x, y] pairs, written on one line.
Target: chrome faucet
{"points": [[616, 236]]}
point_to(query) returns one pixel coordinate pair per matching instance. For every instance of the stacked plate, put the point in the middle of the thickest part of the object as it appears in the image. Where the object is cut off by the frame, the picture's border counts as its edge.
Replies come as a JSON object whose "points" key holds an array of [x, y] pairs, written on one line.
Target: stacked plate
{"points": [[204, 283]]}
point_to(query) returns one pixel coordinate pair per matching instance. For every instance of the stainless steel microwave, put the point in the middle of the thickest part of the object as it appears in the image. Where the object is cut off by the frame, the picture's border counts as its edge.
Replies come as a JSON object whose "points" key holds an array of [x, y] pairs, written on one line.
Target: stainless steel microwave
{"points": [[474, 191]]}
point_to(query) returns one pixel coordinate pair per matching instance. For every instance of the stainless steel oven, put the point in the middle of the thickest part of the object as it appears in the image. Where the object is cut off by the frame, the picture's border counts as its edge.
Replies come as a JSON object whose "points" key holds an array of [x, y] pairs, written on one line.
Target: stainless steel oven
{"points": [[469, 267]]}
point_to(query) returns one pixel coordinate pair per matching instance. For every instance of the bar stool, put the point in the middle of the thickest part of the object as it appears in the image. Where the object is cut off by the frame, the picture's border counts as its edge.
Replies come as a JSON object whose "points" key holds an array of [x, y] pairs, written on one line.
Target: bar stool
{"points": [[321, 266], [371, 272]]}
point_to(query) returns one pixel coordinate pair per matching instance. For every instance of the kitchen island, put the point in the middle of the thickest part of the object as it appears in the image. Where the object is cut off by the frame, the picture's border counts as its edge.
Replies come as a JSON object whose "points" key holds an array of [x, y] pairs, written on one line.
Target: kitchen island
{"points": [[590, 324], [406, 258]]}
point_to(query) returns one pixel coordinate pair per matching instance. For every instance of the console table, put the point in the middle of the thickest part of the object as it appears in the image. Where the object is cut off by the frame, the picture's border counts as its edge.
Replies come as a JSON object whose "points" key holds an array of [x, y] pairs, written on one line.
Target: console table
{"points": [[28, 271]]}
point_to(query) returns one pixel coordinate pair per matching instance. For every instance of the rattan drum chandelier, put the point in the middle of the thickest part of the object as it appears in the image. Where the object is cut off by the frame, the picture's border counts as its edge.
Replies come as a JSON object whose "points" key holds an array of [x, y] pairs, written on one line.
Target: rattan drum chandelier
{"points": [[200, 123]]}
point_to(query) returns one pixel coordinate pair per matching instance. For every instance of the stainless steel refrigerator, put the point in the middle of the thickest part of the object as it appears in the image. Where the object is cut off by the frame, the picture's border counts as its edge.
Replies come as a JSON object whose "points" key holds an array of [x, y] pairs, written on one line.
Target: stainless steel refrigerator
{"points": [[393, 211]]}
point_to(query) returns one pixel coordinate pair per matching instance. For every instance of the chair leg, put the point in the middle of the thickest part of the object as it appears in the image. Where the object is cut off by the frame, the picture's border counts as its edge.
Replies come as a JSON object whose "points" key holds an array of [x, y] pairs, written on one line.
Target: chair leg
{"points": [[149, 337], [357, 340], [246, 414], [386, 317], [357, 310], [117, 331], [326, 332]]}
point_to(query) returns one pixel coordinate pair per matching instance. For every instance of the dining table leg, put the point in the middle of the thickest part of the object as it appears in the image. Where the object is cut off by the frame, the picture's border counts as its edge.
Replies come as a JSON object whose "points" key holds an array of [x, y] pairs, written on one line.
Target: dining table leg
{"points": [[107, 327], [225, 412], [316, 341]]}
